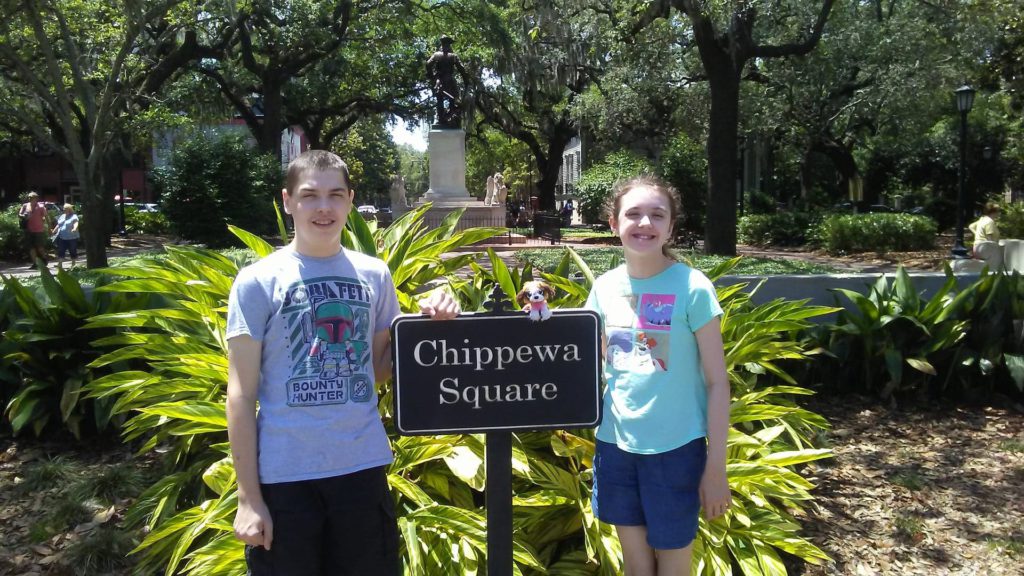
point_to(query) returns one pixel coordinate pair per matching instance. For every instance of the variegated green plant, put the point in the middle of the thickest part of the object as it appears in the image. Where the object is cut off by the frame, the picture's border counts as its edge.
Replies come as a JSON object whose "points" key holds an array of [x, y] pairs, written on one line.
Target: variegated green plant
{"points": [[770, 436], [177, 404]]}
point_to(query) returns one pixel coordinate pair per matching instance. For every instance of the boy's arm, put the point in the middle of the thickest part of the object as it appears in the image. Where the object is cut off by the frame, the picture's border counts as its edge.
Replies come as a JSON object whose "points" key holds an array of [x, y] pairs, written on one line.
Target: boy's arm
{"points": [[382, 364], [253, 524], [714, 486], [439, 306]]}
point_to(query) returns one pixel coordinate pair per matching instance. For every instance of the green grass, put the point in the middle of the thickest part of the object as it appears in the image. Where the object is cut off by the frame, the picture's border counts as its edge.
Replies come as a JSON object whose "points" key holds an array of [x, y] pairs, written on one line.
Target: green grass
{"points": [[909, 479], [1015, 445], [67, 513], [1012, 545], [909, 527], [47, 473], [103, 550], [601, 259], [110, 484], [578, 233]]}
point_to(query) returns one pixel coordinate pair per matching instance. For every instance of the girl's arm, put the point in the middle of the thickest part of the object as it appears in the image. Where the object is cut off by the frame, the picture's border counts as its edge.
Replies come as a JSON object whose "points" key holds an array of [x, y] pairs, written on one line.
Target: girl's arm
{"points": [[714, 485]]}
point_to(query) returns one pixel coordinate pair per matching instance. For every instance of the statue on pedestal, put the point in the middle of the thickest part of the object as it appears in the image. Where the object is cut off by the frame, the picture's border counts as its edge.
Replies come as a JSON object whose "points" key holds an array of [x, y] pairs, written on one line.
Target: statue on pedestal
{"points": [[441, 69], [399, 201], [491, 189], [496, 190]]}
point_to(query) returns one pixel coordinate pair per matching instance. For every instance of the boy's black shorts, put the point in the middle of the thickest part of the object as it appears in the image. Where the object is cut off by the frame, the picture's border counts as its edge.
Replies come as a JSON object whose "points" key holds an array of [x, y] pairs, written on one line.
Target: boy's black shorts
{"points": [[337, 526]]}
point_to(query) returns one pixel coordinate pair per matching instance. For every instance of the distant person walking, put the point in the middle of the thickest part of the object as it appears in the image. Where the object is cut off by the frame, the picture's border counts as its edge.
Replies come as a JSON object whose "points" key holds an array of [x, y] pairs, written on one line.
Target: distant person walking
{"points": [[985, 228], [66, 233], [33, 213]]}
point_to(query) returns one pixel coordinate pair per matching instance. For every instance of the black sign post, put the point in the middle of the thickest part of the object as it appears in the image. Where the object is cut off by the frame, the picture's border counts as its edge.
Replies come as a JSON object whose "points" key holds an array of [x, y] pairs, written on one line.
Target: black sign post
{"points": [[497, 372]]}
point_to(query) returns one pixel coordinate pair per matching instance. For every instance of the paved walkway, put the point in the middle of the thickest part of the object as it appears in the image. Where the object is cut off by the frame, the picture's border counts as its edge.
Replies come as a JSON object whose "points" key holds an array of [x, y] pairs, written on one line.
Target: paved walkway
{"points": [[127, 246]]}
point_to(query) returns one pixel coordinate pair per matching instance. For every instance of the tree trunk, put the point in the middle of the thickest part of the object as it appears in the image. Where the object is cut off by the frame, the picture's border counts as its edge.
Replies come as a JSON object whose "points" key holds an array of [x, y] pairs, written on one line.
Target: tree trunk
{"points": [[549, 167], [843, 161], [720, 226], [806, 180], [96, 218], [273, 123]]}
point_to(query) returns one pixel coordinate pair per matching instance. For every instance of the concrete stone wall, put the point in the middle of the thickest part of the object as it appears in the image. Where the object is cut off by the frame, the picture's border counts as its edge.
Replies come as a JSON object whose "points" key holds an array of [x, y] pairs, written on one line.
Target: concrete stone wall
{"points": [[818, 287]]}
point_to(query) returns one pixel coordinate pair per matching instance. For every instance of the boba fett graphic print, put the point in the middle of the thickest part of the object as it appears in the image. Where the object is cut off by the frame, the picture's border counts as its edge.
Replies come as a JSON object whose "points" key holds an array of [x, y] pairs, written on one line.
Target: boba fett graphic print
{"points": [[327, 330]]}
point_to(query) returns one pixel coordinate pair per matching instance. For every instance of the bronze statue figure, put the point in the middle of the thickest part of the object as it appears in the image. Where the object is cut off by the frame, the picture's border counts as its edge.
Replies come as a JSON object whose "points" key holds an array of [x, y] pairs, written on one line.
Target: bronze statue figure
{"points": [[441, 69]]}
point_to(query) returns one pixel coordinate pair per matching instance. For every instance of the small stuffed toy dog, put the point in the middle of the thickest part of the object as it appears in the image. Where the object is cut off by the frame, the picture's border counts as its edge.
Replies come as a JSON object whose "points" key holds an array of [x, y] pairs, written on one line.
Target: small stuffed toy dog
{"points": [[534, 299]]}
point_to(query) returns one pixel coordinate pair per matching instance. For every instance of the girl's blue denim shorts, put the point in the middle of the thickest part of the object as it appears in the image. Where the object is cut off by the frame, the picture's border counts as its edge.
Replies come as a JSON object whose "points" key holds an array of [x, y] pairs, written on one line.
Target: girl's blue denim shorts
{"points": [[659, 491]]}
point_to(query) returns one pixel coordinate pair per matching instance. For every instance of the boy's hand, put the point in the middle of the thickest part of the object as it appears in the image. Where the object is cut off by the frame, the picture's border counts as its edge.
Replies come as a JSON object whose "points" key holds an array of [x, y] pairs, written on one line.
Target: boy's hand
{"points": [[440, 306], [253, 524]]}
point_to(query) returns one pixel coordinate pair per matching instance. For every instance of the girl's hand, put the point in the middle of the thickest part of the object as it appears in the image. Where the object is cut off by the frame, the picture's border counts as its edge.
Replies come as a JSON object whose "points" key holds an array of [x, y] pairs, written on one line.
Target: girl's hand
{"points": [[714, 492]]}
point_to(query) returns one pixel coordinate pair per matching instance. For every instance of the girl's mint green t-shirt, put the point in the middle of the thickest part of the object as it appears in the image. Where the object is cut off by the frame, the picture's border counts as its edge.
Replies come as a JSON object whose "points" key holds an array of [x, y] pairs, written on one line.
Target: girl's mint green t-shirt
{"points": [[655, 399]]}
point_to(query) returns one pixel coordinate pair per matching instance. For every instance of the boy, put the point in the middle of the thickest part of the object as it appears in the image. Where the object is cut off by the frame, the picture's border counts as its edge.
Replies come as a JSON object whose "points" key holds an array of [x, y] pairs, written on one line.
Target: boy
{"points": [[308, 337]]}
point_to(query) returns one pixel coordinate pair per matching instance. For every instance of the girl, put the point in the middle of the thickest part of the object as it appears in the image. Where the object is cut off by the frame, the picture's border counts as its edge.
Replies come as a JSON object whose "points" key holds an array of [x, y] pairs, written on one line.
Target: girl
{"points": [[661, 445]]}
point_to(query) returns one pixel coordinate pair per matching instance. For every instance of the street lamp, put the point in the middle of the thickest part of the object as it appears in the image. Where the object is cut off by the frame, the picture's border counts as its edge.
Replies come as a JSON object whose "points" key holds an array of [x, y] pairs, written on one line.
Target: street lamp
{"points": [[964, 101]]}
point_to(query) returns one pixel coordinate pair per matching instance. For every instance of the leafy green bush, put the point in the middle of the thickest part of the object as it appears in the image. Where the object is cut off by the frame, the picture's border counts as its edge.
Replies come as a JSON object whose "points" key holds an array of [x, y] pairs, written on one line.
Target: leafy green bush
{"points": [[600, 260], [136, 222], [596, 183], [213, 182], [841, 233], [963, 344], [12, 238], [684, 164], [46, 356], [778, 229], [1011, 221]]}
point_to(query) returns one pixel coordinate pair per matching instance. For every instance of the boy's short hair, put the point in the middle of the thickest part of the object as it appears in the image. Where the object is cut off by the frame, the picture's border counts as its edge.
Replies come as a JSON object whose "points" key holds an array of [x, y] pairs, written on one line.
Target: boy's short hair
{"points": [[69, 207], [314, 160], [32, 194]]}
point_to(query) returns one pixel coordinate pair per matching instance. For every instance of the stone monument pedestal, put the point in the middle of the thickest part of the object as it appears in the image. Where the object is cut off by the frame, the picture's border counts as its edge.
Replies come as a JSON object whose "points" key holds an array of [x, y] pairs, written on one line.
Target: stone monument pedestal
{"points": [[447, 150]]}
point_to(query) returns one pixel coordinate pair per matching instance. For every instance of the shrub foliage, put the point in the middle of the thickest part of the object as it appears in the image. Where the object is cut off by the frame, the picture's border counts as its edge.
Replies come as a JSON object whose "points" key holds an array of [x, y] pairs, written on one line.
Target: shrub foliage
{"points": [[213, 182], [778, 229], [12, 243], [964, 343], [875, 232], [595, 186], [45, 356]]}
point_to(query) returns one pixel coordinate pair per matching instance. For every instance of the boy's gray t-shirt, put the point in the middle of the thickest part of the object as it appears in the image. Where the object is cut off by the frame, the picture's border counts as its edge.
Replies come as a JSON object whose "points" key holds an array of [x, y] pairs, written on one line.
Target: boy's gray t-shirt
{"points": [[316, 318]]}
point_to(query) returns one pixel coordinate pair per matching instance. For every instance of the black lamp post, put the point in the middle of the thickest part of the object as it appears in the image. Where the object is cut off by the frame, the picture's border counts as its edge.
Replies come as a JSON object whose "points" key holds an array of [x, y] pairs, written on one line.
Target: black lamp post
{"points": [[964, 102]]}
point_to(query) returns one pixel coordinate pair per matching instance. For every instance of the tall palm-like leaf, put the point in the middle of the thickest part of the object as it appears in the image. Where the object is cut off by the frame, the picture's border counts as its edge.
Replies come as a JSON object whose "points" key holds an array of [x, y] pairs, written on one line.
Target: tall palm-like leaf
{"points": [[177, 402], [770, 435]]}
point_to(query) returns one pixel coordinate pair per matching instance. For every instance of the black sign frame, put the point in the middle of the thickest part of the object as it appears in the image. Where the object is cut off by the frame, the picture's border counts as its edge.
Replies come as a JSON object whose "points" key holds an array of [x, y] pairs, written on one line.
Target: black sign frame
{"points": [[575, 326]]}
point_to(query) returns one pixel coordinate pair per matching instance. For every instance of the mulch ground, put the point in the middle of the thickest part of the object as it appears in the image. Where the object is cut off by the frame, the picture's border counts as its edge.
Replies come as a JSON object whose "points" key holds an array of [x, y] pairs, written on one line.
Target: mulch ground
{"points": [[932, 491]]}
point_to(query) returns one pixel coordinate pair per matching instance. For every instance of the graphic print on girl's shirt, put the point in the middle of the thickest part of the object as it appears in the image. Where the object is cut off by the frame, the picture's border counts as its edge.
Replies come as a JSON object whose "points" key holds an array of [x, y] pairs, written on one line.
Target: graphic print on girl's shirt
{"points": [[640, 344]]}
